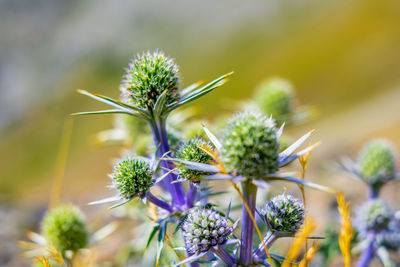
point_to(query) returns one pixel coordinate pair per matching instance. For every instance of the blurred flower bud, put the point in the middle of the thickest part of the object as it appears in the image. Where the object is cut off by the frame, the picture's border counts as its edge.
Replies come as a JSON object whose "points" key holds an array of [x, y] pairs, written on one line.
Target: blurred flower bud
{"points": [[275, 97], [250, 146], [377, 162], [132, 177], [373, 215], [147, 77], [65, 229], [284, 213], [204, 229]]}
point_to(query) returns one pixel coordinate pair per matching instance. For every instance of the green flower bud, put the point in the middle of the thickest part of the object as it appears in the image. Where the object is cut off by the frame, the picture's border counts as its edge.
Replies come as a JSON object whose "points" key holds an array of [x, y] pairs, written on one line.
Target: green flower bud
{"points": [[377, 162], [190, 151], [132, 177], [250, 146], [275, 97], [147, 77], [373, 215], [65, 229], [284, 213], [203, 229]]}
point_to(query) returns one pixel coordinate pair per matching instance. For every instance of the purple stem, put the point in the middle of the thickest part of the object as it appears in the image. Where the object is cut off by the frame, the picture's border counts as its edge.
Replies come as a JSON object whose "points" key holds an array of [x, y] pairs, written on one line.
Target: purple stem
{"points": [[191, 195], [373, 192], [269, 239], [224, 256], [367, 255], [162, 145], [158, 202], [246, 248]]}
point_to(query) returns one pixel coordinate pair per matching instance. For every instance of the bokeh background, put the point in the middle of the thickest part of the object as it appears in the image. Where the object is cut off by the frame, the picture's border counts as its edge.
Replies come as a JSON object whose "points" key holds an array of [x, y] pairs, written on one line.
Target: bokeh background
{"points": [[343, 56]]}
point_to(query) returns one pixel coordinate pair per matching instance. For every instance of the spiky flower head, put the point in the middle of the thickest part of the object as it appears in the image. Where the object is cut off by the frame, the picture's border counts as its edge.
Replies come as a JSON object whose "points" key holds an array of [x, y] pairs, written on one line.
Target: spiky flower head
{"points": [[249, 145], [147, 77], [390, 238], [204, 229], [284, 213], [132, 177], [191, 151], [373, 215], [275, 97], [65, 229], [377, 162]]}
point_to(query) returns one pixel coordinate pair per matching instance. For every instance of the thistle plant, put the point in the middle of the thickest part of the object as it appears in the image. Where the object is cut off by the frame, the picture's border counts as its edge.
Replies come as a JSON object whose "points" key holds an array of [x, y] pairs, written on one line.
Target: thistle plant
{"points": [[247, 153], [376, 223]]}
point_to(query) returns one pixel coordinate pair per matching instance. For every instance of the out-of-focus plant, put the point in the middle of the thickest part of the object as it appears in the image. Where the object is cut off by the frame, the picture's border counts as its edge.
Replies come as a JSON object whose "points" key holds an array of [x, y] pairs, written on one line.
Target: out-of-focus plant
{"points": [[377, 224]]}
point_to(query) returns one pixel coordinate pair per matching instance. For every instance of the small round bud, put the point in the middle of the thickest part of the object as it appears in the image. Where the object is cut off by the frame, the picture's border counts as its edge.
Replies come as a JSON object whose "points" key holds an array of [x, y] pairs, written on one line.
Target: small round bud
{"points": [[377, 162], [250, 146], [147, 77], [284, 213], [191, 151], [373, 215], [132, 177], [275, 97], [65, 229], [200, 234]]}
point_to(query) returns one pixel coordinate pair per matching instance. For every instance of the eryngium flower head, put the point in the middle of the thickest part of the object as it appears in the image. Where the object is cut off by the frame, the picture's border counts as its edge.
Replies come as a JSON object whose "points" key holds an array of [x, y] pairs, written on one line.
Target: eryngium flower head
{"points": [[373, 215], [250, 146], [377, 162], [390, 238], [65, 229], [147, 77], [204, 229], [190, 151], [275, 97], [284, 213], [132, 177]]}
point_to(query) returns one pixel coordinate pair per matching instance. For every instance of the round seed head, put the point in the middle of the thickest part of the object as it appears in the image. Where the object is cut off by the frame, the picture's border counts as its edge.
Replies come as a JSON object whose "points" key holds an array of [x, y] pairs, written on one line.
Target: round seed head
{"points": [[191, 151], [132, 177], [65, 229], [275, 97], [284, 213], [377, 162], [250, 146], [373, 215], [203, 229], [147, 77]]}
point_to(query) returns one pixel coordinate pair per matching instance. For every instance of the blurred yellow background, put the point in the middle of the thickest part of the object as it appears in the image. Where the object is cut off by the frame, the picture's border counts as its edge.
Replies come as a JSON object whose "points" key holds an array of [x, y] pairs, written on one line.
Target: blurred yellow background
{"points": [[343, 56]]}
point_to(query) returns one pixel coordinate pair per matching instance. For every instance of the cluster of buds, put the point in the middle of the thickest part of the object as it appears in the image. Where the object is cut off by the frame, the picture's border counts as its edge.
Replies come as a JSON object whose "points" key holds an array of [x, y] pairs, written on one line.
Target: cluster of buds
{"points": [[373, 215], [64, 228], [132, 177], [250, 146], [147, 77], [284, 214], [204, 229], [191, 151]]}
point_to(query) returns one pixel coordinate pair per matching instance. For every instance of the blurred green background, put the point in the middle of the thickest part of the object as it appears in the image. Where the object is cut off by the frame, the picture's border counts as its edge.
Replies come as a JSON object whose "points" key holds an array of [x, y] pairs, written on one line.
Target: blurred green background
{"points": [[343, 56]]}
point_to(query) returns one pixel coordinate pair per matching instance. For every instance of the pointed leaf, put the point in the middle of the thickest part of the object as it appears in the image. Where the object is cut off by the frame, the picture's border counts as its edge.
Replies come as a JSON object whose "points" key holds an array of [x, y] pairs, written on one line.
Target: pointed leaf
{"points": [[191, 258], [107, 111], [302, 182], [288, 151], [120, 204], [280, 131], [190, 88], [159, 179], [152, 234], [195, 165], [218, 177], [160, 103], [290, 158], [212, 138], [106, 200]]}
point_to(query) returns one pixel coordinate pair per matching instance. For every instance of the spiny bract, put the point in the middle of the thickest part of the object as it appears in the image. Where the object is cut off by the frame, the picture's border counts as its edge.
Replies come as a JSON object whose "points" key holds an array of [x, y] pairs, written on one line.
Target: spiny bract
{"points": [[284, 213], [204, 229], [65, 229], [191, 151], [373, 215], [132, 177], [250, 146], [275, 97], [377, 162], [147, 77]]}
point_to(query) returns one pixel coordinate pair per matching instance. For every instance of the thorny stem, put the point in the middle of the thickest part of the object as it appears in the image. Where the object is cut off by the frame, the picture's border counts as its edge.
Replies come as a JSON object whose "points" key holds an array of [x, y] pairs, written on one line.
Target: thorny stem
{"points": [[224, 256], [158, 202], [246, 247], [161, 142]]}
